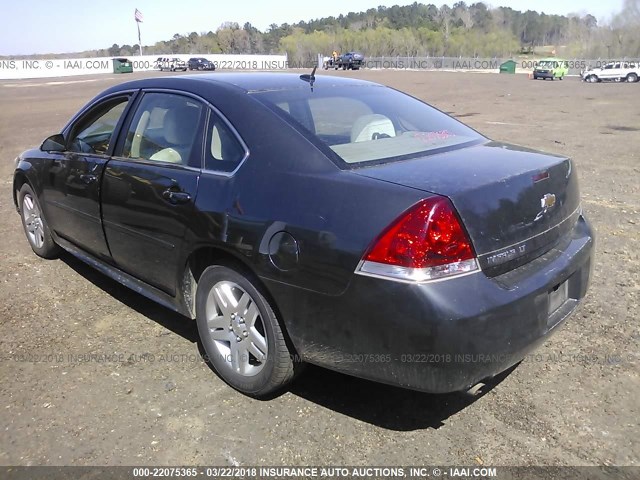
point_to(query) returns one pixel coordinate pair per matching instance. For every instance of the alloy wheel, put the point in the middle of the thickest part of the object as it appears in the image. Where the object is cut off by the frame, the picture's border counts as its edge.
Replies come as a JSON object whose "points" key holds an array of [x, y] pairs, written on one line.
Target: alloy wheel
{"points": [[237, 329], [33, 221]]}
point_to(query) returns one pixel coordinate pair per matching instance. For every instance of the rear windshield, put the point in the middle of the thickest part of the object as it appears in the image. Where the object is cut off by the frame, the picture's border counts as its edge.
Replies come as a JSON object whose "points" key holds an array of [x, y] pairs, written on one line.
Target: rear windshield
{"points": [[362, 124]]}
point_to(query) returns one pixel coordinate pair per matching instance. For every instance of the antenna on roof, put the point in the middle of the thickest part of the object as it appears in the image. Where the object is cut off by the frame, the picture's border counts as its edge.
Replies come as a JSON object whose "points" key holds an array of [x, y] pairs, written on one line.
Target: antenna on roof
{"points": [[310, 78]]}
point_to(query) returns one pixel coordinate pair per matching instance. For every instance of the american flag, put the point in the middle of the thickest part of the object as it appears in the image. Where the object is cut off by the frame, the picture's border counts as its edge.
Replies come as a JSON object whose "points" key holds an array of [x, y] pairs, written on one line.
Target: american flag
{"points": [[138, 16]]}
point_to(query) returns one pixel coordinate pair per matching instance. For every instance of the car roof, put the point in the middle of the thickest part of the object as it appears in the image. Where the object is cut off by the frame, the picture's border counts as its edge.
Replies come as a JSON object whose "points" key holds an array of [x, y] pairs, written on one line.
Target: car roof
{"points": [[247, 82]]}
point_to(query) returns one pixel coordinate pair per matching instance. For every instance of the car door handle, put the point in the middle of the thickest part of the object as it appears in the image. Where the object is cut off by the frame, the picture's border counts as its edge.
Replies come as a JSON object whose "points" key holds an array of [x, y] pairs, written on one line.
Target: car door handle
{"points": [[176, 197], [88, 179]]}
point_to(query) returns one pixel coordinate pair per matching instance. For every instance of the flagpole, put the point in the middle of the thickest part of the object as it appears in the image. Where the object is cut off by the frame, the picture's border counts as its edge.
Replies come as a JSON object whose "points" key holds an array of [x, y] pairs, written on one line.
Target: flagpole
{"points": [[138, 17], [139, 41]]}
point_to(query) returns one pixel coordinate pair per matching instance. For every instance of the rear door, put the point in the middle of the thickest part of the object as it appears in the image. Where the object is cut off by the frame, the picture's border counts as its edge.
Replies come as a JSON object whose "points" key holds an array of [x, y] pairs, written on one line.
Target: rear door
{"points": [[72, 186], [611, 71], [151, 185]]}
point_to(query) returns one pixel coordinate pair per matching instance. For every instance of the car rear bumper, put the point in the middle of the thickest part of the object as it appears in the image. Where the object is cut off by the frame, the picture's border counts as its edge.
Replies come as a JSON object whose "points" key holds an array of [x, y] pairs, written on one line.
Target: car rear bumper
{"points": [[446, 335]]}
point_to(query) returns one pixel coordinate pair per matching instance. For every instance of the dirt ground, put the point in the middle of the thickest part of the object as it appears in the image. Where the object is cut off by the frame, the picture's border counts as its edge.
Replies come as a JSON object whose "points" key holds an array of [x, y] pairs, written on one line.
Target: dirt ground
{"points": [[154, 402]]}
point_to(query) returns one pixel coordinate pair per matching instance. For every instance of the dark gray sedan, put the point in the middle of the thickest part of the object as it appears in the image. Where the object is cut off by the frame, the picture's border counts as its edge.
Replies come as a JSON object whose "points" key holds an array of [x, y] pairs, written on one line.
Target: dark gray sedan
{"points": [[383, 239]]}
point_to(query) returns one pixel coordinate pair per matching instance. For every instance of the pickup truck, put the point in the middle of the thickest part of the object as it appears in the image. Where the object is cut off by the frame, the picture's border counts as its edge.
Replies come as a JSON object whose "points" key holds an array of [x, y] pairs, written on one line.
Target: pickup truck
{"points": [[347, 61]]}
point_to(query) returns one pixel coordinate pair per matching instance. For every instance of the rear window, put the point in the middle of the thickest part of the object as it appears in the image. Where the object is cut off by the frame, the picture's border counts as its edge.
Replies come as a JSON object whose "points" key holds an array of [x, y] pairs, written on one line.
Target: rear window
{"points": [[363, 124]]}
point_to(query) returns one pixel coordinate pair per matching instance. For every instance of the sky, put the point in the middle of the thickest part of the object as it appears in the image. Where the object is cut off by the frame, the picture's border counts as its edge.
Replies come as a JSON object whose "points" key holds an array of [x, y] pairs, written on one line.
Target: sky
{"points": [[44, 26]]}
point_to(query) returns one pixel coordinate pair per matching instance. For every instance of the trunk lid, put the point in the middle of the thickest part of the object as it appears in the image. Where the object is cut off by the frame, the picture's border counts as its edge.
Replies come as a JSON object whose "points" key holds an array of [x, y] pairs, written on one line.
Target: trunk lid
{"points": [[515, 203]]}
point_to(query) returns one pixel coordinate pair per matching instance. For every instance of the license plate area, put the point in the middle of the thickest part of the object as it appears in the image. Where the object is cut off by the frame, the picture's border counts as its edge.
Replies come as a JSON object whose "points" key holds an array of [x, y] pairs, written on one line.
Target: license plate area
{"points": [[558, 296]]}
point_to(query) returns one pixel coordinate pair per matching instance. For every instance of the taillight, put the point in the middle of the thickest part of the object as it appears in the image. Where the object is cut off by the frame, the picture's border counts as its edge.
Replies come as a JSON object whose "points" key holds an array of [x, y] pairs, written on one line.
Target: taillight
{"points": [[426, 242]]}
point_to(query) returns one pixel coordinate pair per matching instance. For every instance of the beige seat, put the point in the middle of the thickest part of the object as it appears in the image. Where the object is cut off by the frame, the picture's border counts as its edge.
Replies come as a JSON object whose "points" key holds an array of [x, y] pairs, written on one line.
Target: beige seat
{"points": [[372, 127], [167, 155], [136, 143], [179, 129]]}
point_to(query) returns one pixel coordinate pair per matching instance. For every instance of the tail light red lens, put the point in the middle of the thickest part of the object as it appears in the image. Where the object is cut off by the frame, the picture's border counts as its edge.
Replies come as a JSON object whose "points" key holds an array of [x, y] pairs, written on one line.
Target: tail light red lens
{"points": [[427, 241]]}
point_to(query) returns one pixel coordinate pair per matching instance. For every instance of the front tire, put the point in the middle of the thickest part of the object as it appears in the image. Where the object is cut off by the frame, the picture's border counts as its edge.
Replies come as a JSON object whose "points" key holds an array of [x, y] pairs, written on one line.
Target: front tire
{"points": [[240, 333], [35, 226]]}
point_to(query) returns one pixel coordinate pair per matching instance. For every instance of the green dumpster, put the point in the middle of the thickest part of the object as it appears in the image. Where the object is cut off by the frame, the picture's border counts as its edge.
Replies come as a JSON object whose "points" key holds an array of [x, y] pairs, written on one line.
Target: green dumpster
{"points": [[122, 65], [508, 67]]}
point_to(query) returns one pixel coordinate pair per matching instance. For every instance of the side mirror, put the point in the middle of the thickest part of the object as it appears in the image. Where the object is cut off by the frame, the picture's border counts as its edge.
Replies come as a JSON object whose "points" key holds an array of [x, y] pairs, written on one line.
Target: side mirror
{"points": [[54, 143]]}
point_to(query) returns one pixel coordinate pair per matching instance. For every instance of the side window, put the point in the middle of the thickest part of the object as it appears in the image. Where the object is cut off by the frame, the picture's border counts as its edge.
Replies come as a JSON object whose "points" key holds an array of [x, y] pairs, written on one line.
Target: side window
{"points": [[224, 152], [94, 132], [164, 129]]}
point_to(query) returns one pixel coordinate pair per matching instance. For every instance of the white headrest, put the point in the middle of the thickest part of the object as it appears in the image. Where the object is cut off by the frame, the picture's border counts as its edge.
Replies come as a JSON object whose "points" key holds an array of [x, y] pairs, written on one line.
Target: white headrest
{"points": [[370, 127]]}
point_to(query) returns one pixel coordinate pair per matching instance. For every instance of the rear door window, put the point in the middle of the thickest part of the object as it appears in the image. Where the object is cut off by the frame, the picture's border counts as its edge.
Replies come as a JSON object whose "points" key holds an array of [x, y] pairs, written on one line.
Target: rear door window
{"points": [[166, 129]]}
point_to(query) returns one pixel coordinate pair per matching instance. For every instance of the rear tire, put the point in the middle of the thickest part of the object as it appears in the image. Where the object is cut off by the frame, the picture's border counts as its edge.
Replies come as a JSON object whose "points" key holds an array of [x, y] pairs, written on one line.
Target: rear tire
{"points": [[632, 78], [240, 333], [35, 226]]}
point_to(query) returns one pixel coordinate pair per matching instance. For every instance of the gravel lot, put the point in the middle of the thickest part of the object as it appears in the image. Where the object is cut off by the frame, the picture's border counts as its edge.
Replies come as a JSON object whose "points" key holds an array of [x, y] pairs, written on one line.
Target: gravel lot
{"points": [[154, 402]]}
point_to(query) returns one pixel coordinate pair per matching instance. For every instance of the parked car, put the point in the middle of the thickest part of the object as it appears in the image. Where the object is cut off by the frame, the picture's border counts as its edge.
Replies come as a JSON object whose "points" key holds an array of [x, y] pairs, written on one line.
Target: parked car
{"points": [[551, 68], [390, 242], [618, 71], [171, 64], [200, 63]]}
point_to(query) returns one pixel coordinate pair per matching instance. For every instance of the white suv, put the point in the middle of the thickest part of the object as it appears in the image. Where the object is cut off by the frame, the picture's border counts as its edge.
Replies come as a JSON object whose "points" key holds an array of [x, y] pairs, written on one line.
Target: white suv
{"points": [[618, 71]]}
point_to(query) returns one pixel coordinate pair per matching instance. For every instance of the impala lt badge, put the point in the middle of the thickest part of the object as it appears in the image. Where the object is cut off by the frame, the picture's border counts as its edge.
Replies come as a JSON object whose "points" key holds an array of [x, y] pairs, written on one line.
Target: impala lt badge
{"points": [[546, 202]]}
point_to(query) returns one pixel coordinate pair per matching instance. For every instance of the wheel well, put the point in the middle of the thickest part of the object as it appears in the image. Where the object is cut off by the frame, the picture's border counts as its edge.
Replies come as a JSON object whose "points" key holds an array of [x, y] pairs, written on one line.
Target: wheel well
{"points": [[205, 257], [197, 262], [18, 181]]}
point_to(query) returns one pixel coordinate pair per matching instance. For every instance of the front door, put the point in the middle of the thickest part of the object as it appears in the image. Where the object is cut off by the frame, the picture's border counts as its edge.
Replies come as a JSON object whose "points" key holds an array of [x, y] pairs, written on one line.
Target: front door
{"points": [[72, 186]]}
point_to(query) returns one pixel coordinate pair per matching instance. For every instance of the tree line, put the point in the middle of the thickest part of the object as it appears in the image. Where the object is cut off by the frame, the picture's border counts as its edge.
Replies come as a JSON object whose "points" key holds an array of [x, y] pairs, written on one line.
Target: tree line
{"points": [[474, 30]]}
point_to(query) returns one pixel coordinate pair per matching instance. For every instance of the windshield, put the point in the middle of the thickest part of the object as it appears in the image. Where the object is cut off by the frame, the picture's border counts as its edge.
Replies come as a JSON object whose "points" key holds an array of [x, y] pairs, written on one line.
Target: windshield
{"points": [[546, 63], [369, 123]]}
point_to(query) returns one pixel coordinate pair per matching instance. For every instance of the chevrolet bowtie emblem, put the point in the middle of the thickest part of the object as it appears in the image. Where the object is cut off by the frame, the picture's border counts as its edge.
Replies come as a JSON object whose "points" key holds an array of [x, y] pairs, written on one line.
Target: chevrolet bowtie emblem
{"points": [[548, 201]]}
